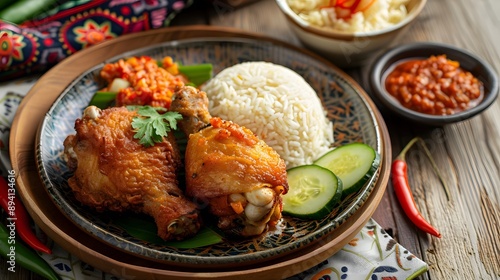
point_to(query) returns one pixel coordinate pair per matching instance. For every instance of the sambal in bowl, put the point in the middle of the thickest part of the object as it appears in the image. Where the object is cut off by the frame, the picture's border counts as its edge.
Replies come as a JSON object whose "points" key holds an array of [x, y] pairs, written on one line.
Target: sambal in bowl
{"points": [[433, 83]]}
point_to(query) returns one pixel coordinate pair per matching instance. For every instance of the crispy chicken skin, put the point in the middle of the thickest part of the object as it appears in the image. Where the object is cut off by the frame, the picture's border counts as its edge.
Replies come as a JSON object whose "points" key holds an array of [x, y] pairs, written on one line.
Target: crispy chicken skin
{"points": [[227, 158], [238, 175], [112, 171]]}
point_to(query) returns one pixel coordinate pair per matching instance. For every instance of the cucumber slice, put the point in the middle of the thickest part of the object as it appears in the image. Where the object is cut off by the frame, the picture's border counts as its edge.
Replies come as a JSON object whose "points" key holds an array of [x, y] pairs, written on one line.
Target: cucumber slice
{"points": [[353, 163], [313, 192], [103, 99]]}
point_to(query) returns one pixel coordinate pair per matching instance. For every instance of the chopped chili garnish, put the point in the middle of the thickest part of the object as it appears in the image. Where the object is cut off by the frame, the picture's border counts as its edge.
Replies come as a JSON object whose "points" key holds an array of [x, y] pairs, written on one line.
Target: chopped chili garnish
{"points": [[230, 129], [344, 9], [237, 207], [24, 256], [150, 84], [280, 190]]}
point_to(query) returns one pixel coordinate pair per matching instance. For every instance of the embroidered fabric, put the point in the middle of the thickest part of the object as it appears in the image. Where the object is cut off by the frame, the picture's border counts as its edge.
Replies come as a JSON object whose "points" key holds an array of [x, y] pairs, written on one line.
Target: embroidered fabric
{"points": [[37, 44]]}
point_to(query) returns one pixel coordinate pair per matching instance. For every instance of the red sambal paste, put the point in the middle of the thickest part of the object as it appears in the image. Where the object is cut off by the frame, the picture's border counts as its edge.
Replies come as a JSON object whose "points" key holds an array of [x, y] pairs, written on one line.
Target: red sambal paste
{"points": [[436, 86], [150, 84]]}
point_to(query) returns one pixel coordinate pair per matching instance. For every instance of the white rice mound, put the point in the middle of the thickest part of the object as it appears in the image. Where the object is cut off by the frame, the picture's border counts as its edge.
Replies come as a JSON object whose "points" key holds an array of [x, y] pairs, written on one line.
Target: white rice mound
{"points": [[380, 15], [276, 104]]}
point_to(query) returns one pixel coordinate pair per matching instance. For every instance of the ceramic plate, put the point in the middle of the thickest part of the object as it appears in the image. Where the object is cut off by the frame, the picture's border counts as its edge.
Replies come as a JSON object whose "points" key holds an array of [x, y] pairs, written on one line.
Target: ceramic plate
{"points": [[121, 263], [353, 121]]}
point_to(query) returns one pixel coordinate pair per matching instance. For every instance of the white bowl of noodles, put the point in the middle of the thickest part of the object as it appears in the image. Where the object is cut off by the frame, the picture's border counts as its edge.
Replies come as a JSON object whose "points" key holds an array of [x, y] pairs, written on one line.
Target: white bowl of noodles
{"points": [[349, 41]]}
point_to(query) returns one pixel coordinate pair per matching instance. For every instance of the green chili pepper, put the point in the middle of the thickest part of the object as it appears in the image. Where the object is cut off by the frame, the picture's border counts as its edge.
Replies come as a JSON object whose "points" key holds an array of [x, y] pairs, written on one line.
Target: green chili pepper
{"points": [[23, 10], [5, 3], [16, 253]]}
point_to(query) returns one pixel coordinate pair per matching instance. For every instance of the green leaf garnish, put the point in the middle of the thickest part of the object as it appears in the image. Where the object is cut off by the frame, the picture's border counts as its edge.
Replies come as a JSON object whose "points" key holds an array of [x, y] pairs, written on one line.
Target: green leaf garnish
{"points": [[152, 126], [145, 229]]}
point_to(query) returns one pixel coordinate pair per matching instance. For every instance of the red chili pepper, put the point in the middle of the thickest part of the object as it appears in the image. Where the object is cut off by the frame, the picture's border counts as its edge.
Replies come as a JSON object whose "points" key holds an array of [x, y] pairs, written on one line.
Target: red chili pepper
{"points": [[403, 191], [346, 8], [16, 211]]}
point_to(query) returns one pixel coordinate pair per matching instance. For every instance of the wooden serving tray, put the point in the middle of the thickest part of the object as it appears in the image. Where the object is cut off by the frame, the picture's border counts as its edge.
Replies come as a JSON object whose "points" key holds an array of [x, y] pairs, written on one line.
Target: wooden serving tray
{"points": [[109, 259]]}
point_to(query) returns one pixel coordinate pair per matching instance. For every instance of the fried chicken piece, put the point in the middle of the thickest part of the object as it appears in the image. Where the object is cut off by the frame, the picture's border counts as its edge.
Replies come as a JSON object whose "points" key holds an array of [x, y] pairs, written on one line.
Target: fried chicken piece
{"points": [[238, 175], [112, 171]]}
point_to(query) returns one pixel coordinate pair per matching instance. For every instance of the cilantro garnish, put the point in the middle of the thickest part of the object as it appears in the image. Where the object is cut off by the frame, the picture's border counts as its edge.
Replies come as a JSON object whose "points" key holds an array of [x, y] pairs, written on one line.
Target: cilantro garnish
{"points": [[152, 126]]}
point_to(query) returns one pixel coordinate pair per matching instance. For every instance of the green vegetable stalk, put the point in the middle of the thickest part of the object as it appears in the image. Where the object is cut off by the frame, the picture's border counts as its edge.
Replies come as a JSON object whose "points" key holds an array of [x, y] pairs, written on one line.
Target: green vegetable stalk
{"points": [[23, 10], [102, 99], [16, 254], [197, 74]]}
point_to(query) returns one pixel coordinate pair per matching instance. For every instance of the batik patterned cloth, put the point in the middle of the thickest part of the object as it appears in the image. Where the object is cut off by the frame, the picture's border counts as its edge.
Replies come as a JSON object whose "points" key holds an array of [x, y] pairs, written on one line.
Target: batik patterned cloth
{"points": [[37, 44]]}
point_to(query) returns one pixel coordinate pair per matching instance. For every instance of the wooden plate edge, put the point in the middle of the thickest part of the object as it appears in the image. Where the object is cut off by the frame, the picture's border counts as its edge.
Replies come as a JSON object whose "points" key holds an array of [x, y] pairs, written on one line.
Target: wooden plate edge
{"points": [[22, 156]]}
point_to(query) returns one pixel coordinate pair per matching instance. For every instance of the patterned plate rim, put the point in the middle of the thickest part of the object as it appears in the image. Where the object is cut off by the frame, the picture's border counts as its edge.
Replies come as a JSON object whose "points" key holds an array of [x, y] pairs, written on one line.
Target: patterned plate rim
{"points": [[254, 256]]}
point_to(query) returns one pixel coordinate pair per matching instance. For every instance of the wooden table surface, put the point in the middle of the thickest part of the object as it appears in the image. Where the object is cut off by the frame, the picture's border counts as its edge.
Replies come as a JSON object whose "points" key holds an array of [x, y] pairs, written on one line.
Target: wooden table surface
{"points": [[468, 153]]}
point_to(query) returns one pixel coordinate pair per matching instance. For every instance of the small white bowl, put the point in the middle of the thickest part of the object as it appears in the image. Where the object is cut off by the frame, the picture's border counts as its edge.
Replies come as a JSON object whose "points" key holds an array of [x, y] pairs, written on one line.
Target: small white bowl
{"points": [[347, 49]]}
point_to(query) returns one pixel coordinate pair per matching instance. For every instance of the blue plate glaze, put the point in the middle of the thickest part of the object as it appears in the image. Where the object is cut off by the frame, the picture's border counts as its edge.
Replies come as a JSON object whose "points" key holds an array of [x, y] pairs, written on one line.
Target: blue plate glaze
{"points": [[346, 103]]}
